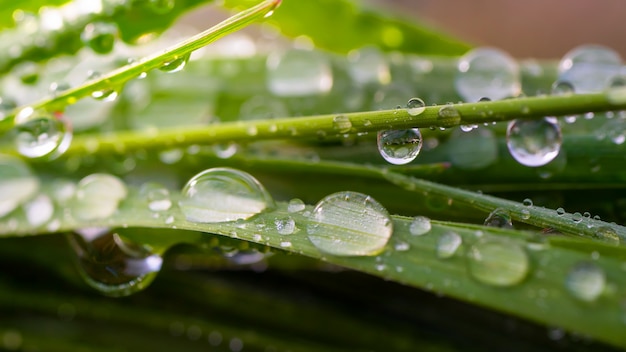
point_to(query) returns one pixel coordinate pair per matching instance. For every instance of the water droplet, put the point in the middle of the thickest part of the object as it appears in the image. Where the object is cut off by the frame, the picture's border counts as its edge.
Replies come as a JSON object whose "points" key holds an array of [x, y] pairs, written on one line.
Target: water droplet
{"points": [[285, 225], [401, 246], [499, 218], [39, 135], [498, 263], [487, 72], [560, 211], [161, 6], [225, 150], [171, 156], [577, 217], [176, 64], [589, 68], [607, 234], [99, 36], [420, 226], [562, 88], [585, 281], [39, 210], [342, 124], [472, 150], [223, 194], [350, 223], [295, 206], [448, 116], [534, 142], [368, 66], [285, 244], [157, 196], [98, 196], [107, 94], [57, 88], [415, 106], [399, 147], [17, 183], [298, 73], [448, 243], [111, 264], [527, 202]]}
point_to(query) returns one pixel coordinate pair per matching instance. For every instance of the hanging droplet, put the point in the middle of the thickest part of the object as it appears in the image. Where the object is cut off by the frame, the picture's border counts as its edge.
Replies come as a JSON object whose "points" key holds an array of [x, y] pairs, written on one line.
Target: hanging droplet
{"points": [[157, 196], [39, 135], [111, 264], [97, 197], [498, 263], [295, 206], [342, 124], [176, 64], [399, 147], [586, 281], [39, 210], [17, 183], [285, 225], [534, 142], [108, 94], [298, 73], [420, 226], [499, 218], [487, 72], [223, 194], [474, 149], [589, 68], [350, 224], [368, 66], [162, 6], [100, 36], [415, 106], [448, 243]]}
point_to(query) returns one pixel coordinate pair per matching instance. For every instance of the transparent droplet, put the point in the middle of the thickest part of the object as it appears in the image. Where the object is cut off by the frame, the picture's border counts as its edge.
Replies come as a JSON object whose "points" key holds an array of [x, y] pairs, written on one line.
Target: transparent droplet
{"points": [[39, 210], [17, 183], [401, 246], [499, 218], [368, 66], [98, 197], [415, 106], [162, 6], [498, 263], [562, 88], [223, 194], [527, 202], [176, 64], [298, 73], [560, 211], [399, 147], [589, 68], [534, 142], [585, 281], [487, 72], [607, 234], [472, 150], [57, 88], [295, 206], [285, 225], [111, 264], [420, 225], [350, 224], [225, 150], [157, 196], [448, 116], [342, 124], [577, 217], [39, 135], [99, 36], [448, 243]]}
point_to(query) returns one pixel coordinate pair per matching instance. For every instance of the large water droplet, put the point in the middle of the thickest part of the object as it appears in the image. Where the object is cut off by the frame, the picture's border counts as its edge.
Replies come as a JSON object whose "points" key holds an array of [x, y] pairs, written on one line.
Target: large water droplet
{"points": [[99, 36], [349, 224], [39, 210], [415, 106], [298, 73], [17, 183], [223, 194], [472, 150], [586, 281], [41, 135], [111, 264], [420, 226], [368, 66], [498, 263], [176, 64], [285, 225], [487, 72], [98, 196], [399, 147], [589, 68], [534, 142], [157, 196], [448, 243], [499, 218]]}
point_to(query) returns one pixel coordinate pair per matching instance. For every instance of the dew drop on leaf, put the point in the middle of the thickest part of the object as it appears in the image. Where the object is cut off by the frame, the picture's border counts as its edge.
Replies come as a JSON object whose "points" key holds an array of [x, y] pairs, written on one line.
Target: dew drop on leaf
{"points": [[285, 225], [176, 64], [399, 147], [39, 210], [295, 205], [17, 183], [342, 124], [589, 68], [111, 264], [223, 194], [498, 263], [99, 36], [607, 234], [350, 224], [534, 142], [448, 116], [106, 94], [156, 195], [97, 197], [448, 243], [499, 218], [39, 135], [420, 225], [487, 72], [415, 106], [585, 281]]}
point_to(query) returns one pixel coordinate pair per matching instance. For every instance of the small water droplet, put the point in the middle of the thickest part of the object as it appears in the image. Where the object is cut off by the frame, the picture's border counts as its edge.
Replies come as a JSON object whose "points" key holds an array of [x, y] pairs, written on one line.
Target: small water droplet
{"points": [[498, 263], [107, 94], [586, 281], [499, 218], [524, 214], [157, 196], [225, 150], [350, 224], [527, 202], [171, 156], [448, 243], [39, 210], [534, 142], [285, 225], [399, 147], [295, 206], [562, 88], [577, 217], [415, 106], [99, 36], [560, 211], [401, 246], [285, 244], [223, 194], [298, 73], [607, 234], [176, 64], [342, 124], [39, 135], [589, 68], [162, 6], [17, 183], [448, 116], [98, 196], [420, 225], [111, 264], [487, 72]]}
